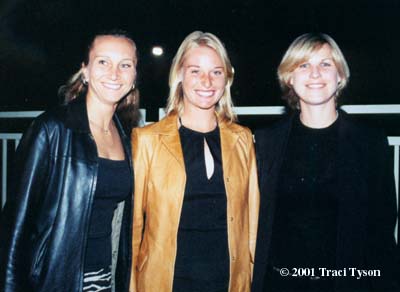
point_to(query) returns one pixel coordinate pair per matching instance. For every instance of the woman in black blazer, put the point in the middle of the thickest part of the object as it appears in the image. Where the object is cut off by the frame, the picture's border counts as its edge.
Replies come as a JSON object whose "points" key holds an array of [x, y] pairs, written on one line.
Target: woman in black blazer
{"points": [[327, 211]]}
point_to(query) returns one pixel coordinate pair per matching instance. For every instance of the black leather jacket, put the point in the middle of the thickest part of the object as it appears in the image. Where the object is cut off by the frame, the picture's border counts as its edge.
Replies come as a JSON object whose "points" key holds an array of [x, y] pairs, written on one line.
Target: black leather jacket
{"points": [[44, 224]]}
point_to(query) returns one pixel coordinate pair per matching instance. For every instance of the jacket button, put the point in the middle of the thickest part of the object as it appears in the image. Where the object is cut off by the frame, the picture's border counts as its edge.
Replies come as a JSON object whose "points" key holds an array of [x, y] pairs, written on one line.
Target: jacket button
{"points": [[227, 179], [233, 258], [231, 218]]}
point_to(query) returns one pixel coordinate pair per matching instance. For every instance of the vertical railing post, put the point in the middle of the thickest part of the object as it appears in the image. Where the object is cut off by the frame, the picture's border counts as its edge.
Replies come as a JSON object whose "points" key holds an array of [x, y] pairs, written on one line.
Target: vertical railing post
{"points": [[396, 178], [4, 173]]}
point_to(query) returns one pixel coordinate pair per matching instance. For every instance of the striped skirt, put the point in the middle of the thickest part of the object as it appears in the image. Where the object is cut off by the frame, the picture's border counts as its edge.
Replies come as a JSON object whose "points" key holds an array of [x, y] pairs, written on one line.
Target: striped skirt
{"points": [[96, 281]]}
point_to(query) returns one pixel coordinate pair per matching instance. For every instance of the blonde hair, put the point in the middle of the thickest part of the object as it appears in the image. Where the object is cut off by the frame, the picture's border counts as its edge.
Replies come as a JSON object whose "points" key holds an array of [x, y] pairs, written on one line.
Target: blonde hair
{"points": [[300, 50], [224, 108]]}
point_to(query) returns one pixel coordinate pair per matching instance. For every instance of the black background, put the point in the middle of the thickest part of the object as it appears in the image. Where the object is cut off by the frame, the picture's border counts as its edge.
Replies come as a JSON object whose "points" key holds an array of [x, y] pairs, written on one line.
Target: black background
{"points": [[41, 44]]}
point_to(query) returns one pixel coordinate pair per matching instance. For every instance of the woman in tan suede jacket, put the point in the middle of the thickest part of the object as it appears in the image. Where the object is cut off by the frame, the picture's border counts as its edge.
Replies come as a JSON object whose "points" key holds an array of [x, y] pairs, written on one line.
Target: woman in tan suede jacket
{"points": [[196, 192]]}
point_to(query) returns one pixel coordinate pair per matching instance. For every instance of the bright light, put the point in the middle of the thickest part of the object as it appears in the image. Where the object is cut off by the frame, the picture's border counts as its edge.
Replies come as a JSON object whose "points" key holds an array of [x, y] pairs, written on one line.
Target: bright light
{"points": [[157, 51]]}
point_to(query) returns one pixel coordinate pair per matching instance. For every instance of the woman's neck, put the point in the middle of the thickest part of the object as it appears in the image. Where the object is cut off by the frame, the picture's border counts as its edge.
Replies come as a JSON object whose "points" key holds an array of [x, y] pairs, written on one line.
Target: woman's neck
{"points": [[318, 117], [99, 114], [201, 122]]}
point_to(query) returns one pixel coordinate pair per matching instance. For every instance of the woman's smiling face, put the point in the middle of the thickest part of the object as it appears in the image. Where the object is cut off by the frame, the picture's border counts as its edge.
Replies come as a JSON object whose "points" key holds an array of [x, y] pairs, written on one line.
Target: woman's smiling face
{"points": [[203, 78], [111, 70], [316, 80]]}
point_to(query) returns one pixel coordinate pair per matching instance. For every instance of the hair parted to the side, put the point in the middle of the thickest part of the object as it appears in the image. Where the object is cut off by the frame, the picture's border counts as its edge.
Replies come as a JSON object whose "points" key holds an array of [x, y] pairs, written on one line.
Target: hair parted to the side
{"points": [[224, 108], [76, 87], [299, 51]]}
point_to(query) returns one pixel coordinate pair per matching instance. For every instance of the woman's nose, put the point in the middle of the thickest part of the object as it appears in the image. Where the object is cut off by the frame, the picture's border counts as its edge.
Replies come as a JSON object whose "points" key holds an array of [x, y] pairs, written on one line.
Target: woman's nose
{"points": [[206, 80], [114, 73], [315, 73]]}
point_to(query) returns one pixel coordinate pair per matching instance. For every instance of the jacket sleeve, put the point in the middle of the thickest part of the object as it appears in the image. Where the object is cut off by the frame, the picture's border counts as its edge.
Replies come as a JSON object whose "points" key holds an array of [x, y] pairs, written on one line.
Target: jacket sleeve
{"points": [[29, 181], [254, 199], [141, 167], [382, 215]]}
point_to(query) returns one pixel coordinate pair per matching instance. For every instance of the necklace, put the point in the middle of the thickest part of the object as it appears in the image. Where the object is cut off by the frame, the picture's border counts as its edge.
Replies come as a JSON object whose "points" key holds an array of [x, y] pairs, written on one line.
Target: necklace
{"points": [[104, 131]]}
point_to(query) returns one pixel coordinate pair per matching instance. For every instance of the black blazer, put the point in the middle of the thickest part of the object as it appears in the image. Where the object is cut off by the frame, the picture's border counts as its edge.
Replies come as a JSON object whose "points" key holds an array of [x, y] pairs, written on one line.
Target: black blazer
{"points": [[367, 206]]}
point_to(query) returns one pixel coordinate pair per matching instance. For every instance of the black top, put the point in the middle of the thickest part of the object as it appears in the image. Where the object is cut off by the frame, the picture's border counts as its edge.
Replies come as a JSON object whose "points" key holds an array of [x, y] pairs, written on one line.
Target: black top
{"points": [[113, 186], [202, 261], [304, 231], [366, 202]]}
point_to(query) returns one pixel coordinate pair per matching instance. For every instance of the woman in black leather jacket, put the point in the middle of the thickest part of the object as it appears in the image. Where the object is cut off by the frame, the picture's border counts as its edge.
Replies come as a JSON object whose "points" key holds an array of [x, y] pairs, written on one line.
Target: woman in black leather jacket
{"points": [[67, 223]]}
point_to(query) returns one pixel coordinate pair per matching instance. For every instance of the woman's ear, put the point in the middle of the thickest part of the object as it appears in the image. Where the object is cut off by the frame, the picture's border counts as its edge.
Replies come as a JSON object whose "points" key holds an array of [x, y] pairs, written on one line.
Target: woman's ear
{"points": [[85, 74], [180, 75]]}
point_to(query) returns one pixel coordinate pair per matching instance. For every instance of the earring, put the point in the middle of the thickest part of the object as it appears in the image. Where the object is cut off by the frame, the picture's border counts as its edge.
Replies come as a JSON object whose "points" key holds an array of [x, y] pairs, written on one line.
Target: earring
{"points": [[84, 81], [133, 86]]}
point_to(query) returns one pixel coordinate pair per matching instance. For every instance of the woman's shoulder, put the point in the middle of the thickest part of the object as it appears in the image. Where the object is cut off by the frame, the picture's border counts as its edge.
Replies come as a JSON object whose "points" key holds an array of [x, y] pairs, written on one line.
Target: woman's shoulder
{"points": [[164, 126], [235, 127], [49, 120], [353, 127], [274, 131]]}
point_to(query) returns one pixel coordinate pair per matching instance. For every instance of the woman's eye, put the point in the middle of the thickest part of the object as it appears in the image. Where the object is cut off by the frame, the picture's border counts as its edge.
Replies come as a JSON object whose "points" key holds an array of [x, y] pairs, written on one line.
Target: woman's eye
{"points": [[194, 71], [126, 66], [102, 62], [325, 64], [218, 73], [304, 65]]}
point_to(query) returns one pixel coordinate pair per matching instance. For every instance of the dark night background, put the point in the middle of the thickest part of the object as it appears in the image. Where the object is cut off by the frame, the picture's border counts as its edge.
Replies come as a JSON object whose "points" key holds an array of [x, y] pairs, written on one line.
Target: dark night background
{"points": [[41, 44]]}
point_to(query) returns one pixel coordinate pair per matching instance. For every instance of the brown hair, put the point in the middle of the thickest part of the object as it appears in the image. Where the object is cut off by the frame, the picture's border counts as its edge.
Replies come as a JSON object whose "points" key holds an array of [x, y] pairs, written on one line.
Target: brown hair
{"points": [[128, 107]]}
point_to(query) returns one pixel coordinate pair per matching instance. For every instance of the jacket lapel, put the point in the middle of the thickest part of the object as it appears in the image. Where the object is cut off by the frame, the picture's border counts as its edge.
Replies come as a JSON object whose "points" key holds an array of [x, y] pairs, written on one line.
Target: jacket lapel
{"points": [[350, 227], [269, 173], [229, 138], [170, 138]]}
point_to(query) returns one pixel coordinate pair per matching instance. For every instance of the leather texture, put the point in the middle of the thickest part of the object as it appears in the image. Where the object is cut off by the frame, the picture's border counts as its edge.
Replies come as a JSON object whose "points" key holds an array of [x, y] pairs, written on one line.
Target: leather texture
{"points": [[160, 180], [44, 224]]}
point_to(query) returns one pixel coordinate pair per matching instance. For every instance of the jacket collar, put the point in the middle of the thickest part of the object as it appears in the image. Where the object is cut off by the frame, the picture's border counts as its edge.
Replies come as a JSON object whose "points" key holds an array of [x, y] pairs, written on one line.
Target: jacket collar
{"points": [[230, 135], [169, 125], [169, 135], [77, 118], [168, 130]]}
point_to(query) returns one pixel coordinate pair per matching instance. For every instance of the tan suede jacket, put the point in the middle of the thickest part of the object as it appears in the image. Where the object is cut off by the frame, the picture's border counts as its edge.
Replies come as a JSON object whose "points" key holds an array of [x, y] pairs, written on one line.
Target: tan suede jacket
{"points": [[159, 189]]}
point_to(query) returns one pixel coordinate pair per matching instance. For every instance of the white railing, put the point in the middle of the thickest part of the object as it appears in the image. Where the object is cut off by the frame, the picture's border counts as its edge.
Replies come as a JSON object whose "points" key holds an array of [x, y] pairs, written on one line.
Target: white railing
{"points": [[279, 110], [4, 160], [246, 110], [34, 114], [351, 109], [15, 137]]}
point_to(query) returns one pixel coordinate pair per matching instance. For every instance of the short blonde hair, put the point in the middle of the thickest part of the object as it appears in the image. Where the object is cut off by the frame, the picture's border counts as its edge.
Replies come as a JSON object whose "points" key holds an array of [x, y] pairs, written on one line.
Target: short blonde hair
{"points": [[300, 50], [224, 108]]}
